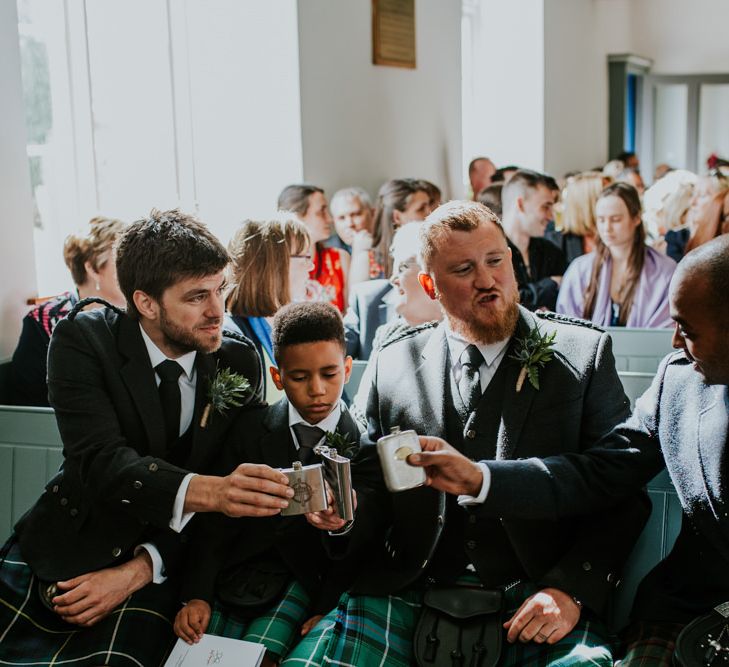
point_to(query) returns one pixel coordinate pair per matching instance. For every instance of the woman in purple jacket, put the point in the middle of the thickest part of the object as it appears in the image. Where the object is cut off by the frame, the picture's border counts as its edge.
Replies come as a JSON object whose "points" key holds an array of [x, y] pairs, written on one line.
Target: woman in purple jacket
{"points": [[623, 282]]}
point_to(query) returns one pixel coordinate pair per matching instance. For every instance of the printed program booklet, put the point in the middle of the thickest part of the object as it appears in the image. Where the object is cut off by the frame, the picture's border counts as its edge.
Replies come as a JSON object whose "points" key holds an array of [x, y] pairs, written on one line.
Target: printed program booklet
{"points": [[213, 651]]}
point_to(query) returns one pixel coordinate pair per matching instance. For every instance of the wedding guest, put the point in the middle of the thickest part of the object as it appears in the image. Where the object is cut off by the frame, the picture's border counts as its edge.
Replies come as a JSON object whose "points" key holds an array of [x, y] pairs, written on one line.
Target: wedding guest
{"points": [[434, 194], [331, 265], [93, 563], [623, 282], [352, 212], [709, 213], [632, 176], [90, 259], [269, 579], [399, 201], [576, 231], [528, 207], [480, 173], [491, 198], [503, 174], [271, 260]]}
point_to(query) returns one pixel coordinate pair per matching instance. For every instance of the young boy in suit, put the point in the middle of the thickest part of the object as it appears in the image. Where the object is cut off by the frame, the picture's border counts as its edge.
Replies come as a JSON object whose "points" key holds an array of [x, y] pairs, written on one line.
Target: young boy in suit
{"points": [[277, 564]]}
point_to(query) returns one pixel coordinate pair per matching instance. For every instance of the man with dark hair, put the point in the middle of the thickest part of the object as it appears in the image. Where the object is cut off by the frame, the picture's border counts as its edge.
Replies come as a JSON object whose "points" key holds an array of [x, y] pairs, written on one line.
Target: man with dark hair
{"points": [[143, 401], [527, 208], [460, 380], [480, 171], [503, 174], [682, 423], [629, 159]]}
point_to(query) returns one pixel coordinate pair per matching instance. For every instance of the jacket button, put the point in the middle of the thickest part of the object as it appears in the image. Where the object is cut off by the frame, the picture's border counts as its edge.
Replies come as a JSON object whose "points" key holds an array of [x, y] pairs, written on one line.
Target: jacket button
{"points": [[610, 577], [440, 519], [137, 484], [55, 488], [470, 434], [471, 544], [64, 502], [153, 467], [116, 552], [472, 518], [74, 512], [587, 566]]}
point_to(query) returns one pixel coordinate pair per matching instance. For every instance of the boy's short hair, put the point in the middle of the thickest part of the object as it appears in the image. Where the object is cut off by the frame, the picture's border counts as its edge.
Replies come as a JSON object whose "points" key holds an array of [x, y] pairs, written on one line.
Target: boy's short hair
{"points": [[307, 322], [157, 252]]}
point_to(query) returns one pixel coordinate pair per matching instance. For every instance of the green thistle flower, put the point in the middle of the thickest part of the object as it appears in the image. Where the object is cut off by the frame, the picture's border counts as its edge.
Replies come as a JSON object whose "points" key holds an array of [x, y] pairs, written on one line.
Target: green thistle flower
{"points": [[227, 389], [534, 352]]}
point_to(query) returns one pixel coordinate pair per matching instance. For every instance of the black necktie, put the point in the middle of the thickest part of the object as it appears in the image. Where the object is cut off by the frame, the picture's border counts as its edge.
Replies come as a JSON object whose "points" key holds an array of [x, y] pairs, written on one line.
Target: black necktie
{"points": [[169, 395], [469, 386], [308, 437]]}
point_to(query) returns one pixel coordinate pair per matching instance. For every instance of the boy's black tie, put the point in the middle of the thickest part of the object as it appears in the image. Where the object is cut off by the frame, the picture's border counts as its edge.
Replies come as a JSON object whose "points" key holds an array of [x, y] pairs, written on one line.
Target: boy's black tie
{"points": [[469, 386], [308, 437], [169, 395]]}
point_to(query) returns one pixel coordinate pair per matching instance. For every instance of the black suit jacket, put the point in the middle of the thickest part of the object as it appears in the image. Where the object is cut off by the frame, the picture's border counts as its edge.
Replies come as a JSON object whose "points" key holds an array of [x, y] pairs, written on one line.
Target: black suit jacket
{"points": [[115, 489], [580, 399], [262, 435], [536, 287], [367, 311], [682, 423]]}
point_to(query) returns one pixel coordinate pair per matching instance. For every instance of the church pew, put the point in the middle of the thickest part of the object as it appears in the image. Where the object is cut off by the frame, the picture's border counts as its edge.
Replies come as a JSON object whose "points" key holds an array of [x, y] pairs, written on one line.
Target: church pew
{"points": [[639, 350]]}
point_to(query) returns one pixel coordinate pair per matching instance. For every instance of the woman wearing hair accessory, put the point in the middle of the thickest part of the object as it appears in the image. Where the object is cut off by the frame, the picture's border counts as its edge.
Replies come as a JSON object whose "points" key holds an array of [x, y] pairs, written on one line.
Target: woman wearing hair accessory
{"points": [[271, 260], [623, 282], [90, 259]]}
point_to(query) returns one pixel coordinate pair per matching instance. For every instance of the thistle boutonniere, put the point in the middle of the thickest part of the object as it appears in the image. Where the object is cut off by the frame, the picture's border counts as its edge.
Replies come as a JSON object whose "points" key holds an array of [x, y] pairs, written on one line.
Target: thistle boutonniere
{"points": [[341, 443], [227, 389], [534, 351]]}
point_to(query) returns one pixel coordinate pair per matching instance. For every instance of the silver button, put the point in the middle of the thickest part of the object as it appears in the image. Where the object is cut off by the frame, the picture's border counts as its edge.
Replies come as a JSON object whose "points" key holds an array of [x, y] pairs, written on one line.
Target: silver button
{"points": [[610, 577], [153, 467], [55, 488], [64, 502], [587, 566], [116, 552], [74, 512], [440, 519], [471, 544], [137, 484], [470, 434]]}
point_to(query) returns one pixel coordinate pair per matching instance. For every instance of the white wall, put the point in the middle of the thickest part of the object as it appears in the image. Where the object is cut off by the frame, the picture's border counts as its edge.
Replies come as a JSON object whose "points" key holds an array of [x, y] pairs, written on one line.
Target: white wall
{"points": [[17, 263], [508, 82], [575, 88], [364, 124]]}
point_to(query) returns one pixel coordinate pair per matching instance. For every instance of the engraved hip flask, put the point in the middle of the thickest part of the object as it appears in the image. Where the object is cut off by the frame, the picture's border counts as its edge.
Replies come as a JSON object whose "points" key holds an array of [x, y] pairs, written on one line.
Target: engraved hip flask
{"points": [[393, 451], [338, 475], [309, 492]]}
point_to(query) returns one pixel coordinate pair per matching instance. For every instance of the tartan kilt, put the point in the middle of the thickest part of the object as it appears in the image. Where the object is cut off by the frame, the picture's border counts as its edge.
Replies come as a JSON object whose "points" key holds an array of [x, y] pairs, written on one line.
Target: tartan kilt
{"points": [[136, 634], [277, 628], [368, 630], [650, 644]]}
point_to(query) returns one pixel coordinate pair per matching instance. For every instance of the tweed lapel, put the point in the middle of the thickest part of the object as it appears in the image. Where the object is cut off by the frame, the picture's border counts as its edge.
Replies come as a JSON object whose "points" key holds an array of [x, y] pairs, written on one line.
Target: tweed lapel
{"points": [[711, 439], [431, 377], [516, 404], [138, 376], [277, 447]]}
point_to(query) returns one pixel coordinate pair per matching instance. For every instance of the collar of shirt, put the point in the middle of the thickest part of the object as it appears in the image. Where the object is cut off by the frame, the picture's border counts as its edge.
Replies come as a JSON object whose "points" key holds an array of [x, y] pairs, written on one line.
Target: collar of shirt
{"points": [[457, 344], [328, 424], [156, 356]]}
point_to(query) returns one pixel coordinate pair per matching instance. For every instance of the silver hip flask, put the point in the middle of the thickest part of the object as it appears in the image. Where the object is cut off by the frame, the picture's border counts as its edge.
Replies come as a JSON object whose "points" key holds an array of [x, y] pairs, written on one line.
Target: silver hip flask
{"points": [[309, 492], [338, 475], [393, 451]]}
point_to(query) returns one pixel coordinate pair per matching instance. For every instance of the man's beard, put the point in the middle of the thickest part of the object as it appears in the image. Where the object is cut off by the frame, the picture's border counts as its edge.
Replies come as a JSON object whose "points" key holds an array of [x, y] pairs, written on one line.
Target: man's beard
{"points": [[183, 341], [499, 328]]}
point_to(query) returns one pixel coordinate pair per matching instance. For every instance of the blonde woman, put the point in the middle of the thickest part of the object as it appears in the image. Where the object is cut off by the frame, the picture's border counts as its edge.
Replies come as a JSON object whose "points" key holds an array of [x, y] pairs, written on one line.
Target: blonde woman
{"points": [[271, 260], [90, 259], [576, 232]]}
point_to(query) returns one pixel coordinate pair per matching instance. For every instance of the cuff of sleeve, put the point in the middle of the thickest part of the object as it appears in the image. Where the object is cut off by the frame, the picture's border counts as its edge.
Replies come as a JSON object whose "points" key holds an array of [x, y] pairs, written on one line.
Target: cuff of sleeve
{"points": [[158, 567], [466, 501], [179, 518], [342, 531]]}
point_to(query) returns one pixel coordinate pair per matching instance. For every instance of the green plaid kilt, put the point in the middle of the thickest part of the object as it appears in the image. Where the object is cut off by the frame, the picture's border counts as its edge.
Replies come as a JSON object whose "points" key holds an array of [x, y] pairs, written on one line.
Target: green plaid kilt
{"points": [[366, 630], [277, 628], [137, 634], [650, 644]]}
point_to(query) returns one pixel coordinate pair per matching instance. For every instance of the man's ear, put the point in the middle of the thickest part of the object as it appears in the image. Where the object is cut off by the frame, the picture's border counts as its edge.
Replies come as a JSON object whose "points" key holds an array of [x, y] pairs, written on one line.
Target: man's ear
{"points": [[147, 306], [276, 377], [520, 204], [347, 368], [426, 282]]}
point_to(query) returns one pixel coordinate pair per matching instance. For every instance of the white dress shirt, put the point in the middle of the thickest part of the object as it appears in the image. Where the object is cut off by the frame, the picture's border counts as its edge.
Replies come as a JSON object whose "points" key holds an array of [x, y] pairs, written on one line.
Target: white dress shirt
{"points": [[328, 424], [493, 354], [187, 382]]}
